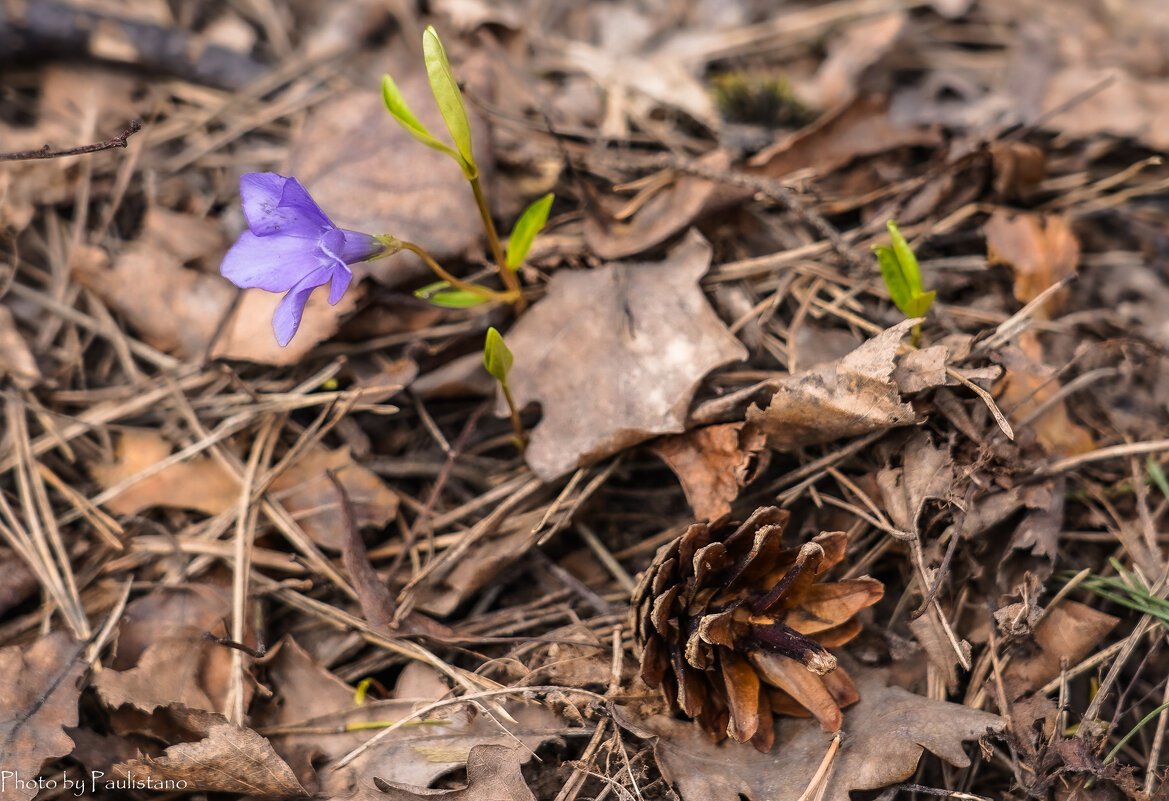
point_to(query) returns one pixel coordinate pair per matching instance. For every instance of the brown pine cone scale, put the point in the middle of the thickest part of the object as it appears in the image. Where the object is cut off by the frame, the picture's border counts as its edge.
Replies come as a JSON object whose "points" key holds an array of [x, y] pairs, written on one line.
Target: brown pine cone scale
{"points": [[734, 628]]}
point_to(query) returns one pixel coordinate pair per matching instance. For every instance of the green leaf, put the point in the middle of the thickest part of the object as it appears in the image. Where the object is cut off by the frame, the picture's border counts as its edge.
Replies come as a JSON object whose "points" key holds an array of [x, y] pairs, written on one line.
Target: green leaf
{"points": [[438, 294], [449, 98], [902, 275], [400, 111], [497, 356], [905, 258], [530, 223]]}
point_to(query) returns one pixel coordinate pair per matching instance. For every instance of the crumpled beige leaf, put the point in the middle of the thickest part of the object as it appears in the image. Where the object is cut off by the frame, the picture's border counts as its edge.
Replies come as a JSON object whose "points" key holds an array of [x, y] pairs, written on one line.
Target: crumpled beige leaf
{"points": [[493, 774], [308, 694], [228, 759], [926, 472], [169, 672], [884, 737], [638, 337], [852, 396], [38, 697], [203, 484], [713, 464]]}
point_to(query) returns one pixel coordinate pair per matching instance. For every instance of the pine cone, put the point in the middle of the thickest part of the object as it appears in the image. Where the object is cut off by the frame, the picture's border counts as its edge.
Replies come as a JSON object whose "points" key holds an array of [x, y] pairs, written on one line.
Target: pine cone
{"points": [[733, 627]]}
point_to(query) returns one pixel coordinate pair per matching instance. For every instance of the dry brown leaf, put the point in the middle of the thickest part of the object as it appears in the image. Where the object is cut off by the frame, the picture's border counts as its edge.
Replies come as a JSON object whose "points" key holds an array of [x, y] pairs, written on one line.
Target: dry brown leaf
{"points": [[493, 774], [714, 464], [1040, 528], [1042, 250], [859, 128], [247, 335], [1070, 631], [1028, 383], [39, 690], [16, 360], [169, 672], [885, 735], [1127, 106], [639, 337], [861, 45], [926, 472], [671, 210], [920, 370], [308, 694], [930, 635], [228, 759], [203, 484], [844, 399]]}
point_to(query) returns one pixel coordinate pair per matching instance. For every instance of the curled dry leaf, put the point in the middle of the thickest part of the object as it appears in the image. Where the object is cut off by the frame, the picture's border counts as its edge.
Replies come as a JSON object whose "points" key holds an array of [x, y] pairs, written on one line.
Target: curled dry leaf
{"points": [[203, 484], [885, 735], [1041, 249], [227, 759], [39, 690], [926, 472], [713, 464], [852, 396], [169, 672], [1027, 385], [733, 627], [640, 336]]}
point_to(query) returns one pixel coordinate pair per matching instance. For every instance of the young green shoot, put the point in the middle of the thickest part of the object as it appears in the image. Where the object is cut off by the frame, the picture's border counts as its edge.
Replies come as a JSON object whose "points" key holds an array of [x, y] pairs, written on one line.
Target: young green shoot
{"points": [[497, 358], [449, 99], [902, 277], [530, 223]]}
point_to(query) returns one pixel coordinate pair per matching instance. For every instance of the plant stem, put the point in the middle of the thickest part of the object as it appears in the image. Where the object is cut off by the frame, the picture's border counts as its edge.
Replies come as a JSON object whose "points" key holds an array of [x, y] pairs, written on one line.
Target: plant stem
{"points": [[440, 271], [516, 424], [509, 278]]}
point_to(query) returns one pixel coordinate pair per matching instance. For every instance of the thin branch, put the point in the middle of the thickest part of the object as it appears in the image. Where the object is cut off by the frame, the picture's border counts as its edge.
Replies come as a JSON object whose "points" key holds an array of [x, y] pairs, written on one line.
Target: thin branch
{"points": [[47, 153]]}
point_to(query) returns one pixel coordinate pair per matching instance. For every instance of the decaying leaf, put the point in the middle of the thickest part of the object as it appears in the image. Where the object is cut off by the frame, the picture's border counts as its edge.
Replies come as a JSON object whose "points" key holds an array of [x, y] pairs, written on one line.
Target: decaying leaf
{"points": [[847, 398], [1027, 385], [308, 697], [639, 336], [713, 464], [670, 211], [1070, 631], [203, 484], [493, 774], [926, 472], [247, 335], [227, 759], [162, 658], [884, 737], [39, 690], [1042, 250]]}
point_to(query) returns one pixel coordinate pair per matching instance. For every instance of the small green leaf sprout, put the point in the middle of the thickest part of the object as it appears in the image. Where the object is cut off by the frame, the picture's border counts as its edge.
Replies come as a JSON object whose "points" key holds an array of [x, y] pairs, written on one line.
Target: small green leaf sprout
{"points": [[902, 277], [449, 98], [530, 223], [497, 358]]}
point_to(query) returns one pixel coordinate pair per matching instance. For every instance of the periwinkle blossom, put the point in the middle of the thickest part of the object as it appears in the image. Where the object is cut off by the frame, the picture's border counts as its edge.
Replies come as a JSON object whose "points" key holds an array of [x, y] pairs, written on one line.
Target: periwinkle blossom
{"points": [[292, 247]]}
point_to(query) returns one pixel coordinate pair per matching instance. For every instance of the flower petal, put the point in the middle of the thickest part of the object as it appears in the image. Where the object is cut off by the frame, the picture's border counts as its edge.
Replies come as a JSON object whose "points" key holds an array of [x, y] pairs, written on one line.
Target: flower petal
{"points": [[286, 319], [275, 204], [339, 283], [274, 263]]}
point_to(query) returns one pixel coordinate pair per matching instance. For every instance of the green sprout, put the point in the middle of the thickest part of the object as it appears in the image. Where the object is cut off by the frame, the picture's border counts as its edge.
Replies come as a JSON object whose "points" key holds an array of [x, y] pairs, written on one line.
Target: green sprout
{"points": [[903, 277], [450, 292], [530, 223], [497, 358]]}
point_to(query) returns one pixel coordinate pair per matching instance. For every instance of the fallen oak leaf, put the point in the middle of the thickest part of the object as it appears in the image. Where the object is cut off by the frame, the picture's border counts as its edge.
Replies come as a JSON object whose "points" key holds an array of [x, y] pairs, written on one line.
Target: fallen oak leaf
{"points": [[228, 759], [847, 398], [885, 734], [38, 697], [640, 336]]}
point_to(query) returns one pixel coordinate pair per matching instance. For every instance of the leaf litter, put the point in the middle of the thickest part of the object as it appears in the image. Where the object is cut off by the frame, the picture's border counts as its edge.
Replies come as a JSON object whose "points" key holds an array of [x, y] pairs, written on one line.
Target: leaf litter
{"points": [[707, 335]]}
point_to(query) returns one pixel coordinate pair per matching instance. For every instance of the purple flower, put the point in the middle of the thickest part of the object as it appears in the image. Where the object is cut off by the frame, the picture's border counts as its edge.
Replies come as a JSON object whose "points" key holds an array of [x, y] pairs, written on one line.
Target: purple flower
{"points": [[292, 247]]}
